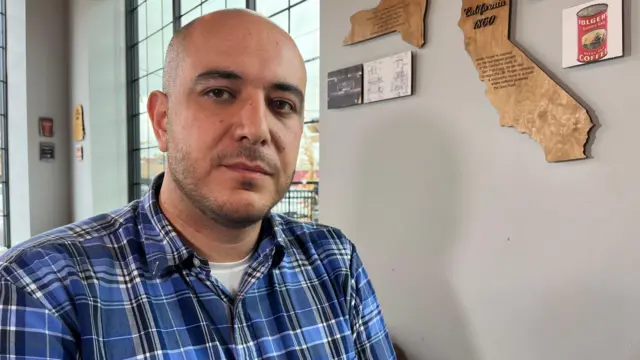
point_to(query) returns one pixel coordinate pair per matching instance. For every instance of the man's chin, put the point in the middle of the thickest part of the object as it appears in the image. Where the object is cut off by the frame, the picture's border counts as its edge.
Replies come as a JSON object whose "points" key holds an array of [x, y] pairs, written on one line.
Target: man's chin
{"points": [[248, 199], [241, 217], [243, 211]]}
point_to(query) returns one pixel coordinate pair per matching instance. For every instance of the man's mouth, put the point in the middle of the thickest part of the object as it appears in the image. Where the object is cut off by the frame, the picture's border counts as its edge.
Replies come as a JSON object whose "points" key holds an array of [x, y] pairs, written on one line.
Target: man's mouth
{"points": [[248, 168]]}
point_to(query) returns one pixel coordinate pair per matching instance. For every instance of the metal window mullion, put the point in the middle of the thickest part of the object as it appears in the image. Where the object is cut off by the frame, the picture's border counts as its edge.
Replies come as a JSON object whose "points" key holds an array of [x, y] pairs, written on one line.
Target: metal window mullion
{"points": [[5, 135], [176, 15], [148, 36], [132, 66], [288, 8]]}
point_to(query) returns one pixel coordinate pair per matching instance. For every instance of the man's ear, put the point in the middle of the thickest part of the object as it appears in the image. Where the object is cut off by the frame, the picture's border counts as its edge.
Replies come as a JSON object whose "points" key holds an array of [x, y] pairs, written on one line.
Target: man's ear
{"points": [[157, 108]]}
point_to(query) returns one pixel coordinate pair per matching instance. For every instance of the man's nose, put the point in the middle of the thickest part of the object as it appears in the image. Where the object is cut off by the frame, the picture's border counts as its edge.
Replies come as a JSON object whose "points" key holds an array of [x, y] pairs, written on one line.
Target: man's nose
{"points": [[252, 126]]}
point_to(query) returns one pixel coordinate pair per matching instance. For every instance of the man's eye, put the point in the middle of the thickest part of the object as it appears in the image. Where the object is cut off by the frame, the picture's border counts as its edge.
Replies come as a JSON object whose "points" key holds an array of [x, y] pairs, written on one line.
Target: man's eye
{"points": [[219, 94], [283, 106]]}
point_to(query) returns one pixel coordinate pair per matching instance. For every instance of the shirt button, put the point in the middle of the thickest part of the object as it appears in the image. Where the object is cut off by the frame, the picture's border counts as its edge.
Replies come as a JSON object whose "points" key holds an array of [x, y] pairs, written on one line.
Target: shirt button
{"points": [[196, 262]]}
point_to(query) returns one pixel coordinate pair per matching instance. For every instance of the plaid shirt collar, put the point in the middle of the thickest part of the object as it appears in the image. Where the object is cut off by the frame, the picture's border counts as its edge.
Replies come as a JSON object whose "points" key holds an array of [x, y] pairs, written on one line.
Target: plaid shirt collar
{"points": [[166, 252]]}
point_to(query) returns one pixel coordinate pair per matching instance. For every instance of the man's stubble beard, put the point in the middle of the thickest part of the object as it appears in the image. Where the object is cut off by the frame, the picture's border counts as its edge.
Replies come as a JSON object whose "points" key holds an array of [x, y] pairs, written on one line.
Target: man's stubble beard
{"points": [[182, 172]]}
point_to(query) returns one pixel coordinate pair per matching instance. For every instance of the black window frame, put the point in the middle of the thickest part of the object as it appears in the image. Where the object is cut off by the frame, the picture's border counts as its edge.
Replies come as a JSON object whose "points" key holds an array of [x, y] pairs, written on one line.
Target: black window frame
{"points": [[4, 124]]}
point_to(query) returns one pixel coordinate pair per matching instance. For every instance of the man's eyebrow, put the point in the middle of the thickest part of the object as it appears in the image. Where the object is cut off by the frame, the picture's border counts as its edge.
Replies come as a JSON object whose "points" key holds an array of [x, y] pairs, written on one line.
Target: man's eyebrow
{"points": [[289, 88], [217, 74]]}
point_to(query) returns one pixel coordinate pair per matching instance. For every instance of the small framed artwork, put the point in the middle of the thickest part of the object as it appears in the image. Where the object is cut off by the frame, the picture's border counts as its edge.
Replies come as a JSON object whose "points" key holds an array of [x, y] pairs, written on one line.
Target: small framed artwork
{"points": [[46, 127], [47, 151], [345, 87], [592, 32], [79, 152], [388, 78]]}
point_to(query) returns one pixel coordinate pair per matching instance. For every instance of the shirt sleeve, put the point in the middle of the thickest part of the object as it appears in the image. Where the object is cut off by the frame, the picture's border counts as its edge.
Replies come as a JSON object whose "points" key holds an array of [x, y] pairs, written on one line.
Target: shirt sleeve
{"points": [[28, 330], [372, 340]]}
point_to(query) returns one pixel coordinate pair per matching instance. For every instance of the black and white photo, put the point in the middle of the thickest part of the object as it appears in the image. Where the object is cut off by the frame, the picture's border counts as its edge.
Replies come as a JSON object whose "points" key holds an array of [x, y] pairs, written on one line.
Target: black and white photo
{"points": [[345, 87]]}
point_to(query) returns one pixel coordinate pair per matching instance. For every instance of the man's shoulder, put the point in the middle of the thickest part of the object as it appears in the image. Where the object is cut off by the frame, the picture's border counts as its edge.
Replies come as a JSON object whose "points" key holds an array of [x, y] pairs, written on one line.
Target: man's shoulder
{"points": [[71, 247], [327, 242]]}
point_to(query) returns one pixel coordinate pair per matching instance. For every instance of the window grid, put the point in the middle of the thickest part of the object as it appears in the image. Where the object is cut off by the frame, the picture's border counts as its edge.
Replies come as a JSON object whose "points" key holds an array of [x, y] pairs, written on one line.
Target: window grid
{"points": [[150, 25], [4, 185]]}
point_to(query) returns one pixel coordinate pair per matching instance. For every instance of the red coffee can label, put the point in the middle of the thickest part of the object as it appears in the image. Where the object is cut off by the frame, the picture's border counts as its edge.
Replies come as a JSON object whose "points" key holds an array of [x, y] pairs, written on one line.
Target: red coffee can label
{"points": [[593, 22]]}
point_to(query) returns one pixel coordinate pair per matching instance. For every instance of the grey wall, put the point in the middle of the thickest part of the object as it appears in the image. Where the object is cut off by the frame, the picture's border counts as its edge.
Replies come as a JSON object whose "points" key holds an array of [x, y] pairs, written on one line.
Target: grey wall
{"points": [[98, 78], [79, 24], [37, 63], [18, 126], [478, 248], [63, 53], [47, 95]]}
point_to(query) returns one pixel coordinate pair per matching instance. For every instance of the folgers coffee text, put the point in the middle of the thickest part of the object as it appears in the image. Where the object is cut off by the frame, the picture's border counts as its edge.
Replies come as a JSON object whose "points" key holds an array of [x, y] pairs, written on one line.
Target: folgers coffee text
{"points": [[593, 27]]}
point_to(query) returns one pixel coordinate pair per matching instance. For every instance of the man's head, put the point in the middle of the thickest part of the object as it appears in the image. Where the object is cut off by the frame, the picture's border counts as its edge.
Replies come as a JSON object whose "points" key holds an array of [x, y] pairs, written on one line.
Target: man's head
{"points": [[231, 114]]}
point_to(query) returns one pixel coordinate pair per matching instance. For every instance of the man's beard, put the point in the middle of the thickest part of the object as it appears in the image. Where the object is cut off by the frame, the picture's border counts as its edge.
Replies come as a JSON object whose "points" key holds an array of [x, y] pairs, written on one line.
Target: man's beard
{"points": [[182, 172]]}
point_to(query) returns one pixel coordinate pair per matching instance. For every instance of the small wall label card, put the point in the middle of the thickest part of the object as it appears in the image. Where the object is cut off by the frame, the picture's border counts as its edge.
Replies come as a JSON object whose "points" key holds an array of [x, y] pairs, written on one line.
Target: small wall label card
{"points": [[79, 152], [344, 87], [404, 16], [388, 78], [525, 96], [592, 32], [47, 151]]}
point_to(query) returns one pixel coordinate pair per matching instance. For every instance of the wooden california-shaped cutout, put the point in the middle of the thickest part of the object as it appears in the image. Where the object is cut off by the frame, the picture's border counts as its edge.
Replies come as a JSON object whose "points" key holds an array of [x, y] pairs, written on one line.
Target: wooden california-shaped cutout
{"points": [[525, 96], [404, 16]]}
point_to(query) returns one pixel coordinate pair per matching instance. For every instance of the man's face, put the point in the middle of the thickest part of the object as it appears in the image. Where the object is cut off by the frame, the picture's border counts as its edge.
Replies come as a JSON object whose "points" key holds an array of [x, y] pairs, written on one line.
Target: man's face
{"points": [[235, 118]]}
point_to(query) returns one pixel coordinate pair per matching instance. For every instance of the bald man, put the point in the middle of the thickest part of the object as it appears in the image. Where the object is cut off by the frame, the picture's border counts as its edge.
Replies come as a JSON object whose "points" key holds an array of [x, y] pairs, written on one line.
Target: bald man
{"points": [[200, 268]]}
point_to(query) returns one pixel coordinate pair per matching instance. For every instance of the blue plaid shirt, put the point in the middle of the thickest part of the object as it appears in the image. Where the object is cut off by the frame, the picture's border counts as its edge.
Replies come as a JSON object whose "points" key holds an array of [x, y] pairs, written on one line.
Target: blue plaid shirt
{"points": [[123, 285]]}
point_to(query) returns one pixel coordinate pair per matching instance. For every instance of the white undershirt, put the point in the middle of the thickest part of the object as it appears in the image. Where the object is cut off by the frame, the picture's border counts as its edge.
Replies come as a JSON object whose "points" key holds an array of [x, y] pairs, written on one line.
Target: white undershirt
{"points": [[230, 274]]}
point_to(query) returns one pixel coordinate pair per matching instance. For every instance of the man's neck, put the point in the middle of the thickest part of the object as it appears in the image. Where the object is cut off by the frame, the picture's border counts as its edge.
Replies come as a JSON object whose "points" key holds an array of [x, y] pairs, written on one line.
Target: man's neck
{"points": [[212, 241]]}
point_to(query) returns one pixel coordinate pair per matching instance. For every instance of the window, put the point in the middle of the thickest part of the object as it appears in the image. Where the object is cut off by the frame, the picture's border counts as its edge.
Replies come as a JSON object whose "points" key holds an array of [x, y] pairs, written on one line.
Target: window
{"points": [[4, 186], [301, 19], [151, 24]]}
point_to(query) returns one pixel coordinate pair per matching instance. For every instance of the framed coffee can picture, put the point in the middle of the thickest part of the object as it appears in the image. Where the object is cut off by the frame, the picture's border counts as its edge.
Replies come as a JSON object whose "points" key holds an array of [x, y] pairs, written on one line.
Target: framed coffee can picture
{"points": [[46, 126], [592, 32]]}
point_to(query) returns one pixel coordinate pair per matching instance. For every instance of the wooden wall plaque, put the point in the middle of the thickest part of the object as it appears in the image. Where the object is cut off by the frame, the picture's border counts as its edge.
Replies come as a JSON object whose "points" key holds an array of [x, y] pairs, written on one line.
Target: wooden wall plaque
{"points": [[524, 95], [404, 16], [78, 123]]}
